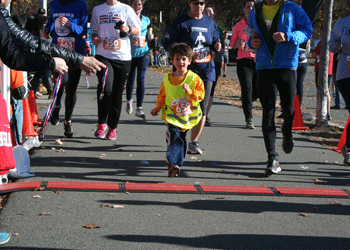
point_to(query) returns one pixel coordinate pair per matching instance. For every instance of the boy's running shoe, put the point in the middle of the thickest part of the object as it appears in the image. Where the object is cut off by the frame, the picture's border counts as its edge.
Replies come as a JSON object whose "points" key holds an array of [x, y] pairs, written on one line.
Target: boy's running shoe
{"points": [[140, 113], [193, 148], [112, 134], [128, 108], [173, 171], [346, 154], [100, 132], [272, 167], [68, 130]]}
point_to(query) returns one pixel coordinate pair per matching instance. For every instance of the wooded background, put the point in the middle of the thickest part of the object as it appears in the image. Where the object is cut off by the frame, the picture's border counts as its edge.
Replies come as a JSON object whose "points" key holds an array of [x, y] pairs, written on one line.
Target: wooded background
{"points": [[228, 12]]}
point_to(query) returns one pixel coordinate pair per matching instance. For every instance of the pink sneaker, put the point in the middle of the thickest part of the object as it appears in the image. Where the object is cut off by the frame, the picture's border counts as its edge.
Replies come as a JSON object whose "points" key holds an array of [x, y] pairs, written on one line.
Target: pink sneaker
{"points": [[111, 135], [100, 132]]}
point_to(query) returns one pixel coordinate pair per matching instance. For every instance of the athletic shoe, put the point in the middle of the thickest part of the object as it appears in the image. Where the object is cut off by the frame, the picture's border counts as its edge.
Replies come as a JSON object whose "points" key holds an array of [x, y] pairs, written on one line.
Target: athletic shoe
{"points": [[38, 94], [346, 154], [250, 124], [111, 135], [224, 75], [287, 143], [140, 113], [128, 108], [329, 117], [55, 118], [272, 167], [207, 123], [193, 148], [173, 171], [68, 130], [4, 237], [100, 131], [335, 107]]}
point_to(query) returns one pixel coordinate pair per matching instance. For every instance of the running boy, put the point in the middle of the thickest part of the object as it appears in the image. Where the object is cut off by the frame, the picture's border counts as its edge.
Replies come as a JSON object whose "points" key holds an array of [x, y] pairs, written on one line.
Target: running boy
{"points": [[178, 98]]}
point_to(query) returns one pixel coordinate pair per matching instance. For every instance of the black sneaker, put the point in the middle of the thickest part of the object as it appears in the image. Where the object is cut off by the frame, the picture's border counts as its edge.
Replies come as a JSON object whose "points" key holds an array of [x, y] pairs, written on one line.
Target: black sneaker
{"points": [[272, 167], [335, 107], [287, 143], [68, 131], [173, 171], [55, 118]]}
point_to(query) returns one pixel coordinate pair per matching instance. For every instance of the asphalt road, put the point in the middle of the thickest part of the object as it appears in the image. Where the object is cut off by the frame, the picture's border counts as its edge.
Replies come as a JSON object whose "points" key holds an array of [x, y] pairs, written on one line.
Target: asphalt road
{"points": [[153, 220]]}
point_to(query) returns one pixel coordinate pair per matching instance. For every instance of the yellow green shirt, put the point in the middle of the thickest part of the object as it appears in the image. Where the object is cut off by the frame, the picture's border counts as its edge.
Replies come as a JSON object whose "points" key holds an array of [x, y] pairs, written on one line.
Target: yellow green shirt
{"points": [[269, 13]]}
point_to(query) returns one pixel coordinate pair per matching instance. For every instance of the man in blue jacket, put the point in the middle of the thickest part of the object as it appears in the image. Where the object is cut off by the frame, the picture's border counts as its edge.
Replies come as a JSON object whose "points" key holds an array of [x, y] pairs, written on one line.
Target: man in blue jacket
{"points": [[278, 27]]}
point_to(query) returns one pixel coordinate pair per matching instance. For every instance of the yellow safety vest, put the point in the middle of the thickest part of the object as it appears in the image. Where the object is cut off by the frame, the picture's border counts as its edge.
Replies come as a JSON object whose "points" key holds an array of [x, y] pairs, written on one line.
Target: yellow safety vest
{"points": [[178, 106]]}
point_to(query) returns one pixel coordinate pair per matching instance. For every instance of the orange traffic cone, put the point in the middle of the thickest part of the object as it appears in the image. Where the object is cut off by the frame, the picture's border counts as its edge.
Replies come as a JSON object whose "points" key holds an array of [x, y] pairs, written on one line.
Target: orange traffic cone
{"points": [[33, 108], [28, 128], [298, 123], [342, 138]]}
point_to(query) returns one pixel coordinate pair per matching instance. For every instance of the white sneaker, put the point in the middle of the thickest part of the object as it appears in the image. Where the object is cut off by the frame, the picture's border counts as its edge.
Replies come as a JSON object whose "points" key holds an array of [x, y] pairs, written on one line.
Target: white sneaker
{"points": [[140, 113], [193, 148], [38, 94], [272, 167], [128, 108]]}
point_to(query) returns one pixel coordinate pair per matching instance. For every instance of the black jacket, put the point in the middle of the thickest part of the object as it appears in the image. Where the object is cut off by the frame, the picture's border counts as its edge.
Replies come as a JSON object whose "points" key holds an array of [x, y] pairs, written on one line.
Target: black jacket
{"points": [[14, 58], [36, 45]]}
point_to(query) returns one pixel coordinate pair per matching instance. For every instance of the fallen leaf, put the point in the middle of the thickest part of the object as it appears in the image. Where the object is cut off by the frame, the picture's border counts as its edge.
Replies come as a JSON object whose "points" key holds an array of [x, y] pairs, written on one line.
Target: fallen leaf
{"points": [[193, 158], [39, 189], [304, 215], [336, 204], [220, 198], [45, 213], [58, 141], [57, 191], [37, 196], [320, 181], [130, 155], [105, 205], [91, 226], [158, 215], [53, 149], [196, 182], [60, 150], [14, 234]]}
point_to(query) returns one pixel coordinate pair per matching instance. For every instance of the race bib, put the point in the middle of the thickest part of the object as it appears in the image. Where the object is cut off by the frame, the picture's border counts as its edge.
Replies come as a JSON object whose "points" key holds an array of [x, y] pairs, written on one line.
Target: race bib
{"points": [[139, 41], [182, 106], [201, 56], [66, 42], [111, 44]]}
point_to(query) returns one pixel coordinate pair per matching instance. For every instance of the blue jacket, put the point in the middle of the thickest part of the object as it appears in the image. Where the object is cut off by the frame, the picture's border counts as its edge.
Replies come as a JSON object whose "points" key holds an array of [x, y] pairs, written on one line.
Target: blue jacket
{"points": [[295, 23]]}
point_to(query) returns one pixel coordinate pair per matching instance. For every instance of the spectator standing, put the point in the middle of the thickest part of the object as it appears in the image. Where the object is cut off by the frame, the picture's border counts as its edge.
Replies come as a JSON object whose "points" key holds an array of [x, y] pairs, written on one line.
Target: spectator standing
{"points": [[155, 49], [140, 60], [246, 68], [66, 25], [340, 43], [179, 97], [278, 28], [201, 33], [225, 48], [112, 23], [209, 11]]}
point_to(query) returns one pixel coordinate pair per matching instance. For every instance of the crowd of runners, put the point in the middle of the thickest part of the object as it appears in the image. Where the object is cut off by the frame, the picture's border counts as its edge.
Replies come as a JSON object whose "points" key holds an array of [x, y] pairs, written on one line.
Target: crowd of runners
{"points": [[270, 39]]}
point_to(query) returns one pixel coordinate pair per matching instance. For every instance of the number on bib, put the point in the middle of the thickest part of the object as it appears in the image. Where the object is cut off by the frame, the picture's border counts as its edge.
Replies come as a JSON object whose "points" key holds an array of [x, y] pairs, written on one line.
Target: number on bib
{"points": [[111, 44], [182, 106]]}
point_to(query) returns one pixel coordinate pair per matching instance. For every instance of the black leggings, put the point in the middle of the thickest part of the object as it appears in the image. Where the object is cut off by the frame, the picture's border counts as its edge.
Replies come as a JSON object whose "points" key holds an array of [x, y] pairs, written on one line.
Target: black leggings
{"points": [[70, 82], [247, 78], [110, 105], [344, 88], [269, 82]]}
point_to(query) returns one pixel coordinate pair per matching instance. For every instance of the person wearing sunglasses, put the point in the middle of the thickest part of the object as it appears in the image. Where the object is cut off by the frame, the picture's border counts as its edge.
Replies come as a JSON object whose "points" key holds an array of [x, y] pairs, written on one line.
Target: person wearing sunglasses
{"points": [[201, 33]]}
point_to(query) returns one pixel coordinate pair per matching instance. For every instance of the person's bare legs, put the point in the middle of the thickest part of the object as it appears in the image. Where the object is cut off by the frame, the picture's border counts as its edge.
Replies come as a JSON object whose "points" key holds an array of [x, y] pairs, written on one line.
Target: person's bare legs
{"points": [[197, 130]]}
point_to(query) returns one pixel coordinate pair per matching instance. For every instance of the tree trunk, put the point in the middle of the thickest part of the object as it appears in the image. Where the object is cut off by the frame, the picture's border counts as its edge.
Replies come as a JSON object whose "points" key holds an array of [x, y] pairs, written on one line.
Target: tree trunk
{"points": [[322, 89]]}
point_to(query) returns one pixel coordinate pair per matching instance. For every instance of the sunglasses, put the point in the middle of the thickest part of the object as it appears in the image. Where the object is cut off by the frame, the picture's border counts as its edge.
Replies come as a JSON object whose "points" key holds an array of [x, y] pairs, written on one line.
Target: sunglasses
{"points": [[198, 3]]}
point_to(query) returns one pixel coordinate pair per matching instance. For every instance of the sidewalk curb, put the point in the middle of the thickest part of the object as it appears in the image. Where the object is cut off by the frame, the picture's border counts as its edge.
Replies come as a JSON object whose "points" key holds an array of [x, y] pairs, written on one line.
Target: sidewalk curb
{"points": [[174, 188]]}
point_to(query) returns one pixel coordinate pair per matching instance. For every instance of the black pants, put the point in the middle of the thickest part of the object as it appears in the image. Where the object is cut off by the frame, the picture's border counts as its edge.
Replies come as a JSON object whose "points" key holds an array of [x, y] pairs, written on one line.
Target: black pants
{"points": [[109, 107], [269, 82], [344, 88], [70, 82], [45, 76], [248, 79]]}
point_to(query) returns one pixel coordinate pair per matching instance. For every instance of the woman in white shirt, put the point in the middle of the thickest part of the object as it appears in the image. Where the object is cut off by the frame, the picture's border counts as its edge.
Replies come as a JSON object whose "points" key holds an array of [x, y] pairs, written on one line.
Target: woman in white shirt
{"points": [[112, 23]]}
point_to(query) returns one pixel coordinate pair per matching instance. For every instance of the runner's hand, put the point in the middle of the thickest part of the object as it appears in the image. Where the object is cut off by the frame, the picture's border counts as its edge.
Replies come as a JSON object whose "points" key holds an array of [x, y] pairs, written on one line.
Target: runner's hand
{"points": [[279, 37], [218, 45], [336, 47], [96, 40], [154, 112], [186, 87], [256, 43], [91, 65], [61, 66]]}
